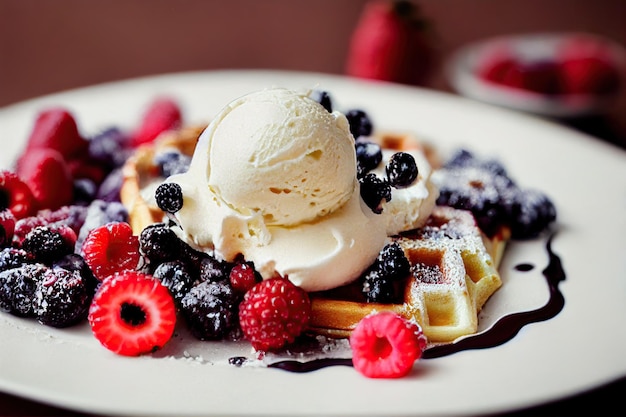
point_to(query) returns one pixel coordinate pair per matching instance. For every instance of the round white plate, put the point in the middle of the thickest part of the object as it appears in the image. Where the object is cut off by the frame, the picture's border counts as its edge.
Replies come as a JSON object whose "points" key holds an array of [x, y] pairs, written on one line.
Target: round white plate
{"points": [[579, 349]]}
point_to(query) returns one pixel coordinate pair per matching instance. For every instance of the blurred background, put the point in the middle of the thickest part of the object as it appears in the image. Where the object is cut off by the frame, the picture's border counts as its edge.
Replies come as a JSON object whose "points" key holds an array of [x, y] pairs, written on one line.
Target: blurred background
{"points": [[49, 46]]}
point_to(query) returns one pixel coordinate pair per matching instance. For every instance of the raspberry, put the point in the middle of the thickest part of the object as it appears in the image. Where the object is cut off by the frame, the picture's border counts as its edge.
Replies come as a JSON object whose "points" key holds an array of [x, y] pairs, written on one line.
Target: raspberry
{"points": [[47, 174], [111, 248], [273, 313], [16, 195], [61, 299], [385, 345], [56, 129], [162, 114], [132, 314], [243, 277], [169, 197], [210, 310]]}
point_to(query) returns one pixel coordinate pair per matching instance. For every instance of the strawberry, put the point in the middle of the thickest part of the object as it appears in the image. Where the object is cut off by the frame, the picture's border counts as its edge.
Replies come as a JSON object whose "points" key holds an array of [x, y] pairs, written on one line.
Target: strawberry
{"points": [[536, 76], [46, 173], [273, 313], [391, 43], [163, 114], [586, 67], [386, 345], [56, 129], [132, 314], [16, 195], [111, 248]]}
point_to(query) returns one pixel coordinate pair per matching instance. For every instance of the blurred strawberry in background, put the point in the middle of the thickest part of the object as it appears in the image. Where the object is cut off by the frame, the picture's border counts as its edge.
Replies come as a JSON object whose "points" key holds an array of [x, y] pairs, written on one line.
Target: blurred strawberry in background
{"points": [[392, 42]]}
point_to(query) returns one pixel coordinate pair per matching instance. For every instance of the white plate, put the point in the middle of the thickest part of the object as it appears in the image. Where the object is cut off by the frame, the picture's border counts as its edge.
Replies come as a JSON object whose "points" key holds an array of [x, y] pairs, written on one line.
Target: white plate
{"points": [[581, 348], [461, 71]]}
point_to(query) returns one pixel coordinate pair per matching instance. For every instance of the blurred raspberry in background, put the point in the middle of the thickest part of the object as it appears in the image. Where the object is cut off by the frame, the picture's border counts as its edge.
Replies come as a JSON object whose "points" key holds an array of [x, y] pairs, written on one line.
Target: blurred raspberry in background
{"points": [[392, 42]]}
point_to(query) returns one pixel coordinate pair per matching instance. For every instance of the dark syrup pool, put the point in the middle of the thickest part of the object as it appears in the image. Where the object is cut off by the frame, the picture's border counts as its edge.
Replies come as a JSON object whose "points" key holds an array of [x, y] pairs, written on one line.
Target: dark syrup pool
{"points": [[501, 332]]}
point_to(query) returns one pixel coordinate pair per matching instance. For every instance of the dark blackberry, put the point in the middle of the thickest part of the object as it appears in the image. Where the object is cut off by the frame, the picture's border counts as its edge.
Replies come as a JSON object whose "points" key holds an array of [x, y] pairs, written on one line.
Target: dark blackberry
{"points": [[373, 191], [477, 190], [14, 258], [530, 212], [75, 262], [460, 158], [159, 243], [110, 147], [109, 189], [323, 98], [85, 191], [17, 288], [212, 269], [210, 310], [171, 163], [360, 123], [169, 197], [61, 299], [46, 245], [175, 275], [392, 263], [368, 156], [401, 170], [377, 289]]}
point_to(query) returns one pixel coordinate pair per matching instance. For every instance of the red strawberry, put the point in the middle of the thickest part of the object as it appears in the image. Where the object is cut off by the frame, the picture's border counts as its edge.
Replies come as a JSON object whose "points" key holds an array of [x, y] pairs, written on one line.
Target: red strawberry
{"points": [[391, 43], [16, 195], [132, 314], [56, 129], [385, 345], [496, 63], [273, 313], [163, 114], [111, 248], [587, 67], [46, 173], [539, 77]]}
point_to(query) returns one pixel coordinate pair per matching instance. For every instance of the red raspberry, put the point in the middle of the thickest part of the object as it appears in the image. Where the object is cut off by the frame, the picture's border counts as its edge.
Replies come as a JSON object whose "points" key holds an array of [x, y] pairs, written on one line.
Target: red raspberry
{"points": [[111, 248], [47, 174], [132, 314], [162, 114], [385, 345], [391, 43], [16, 195], [496, 63], [56, 129], [273, 313], [243, 277], [7, 227]]}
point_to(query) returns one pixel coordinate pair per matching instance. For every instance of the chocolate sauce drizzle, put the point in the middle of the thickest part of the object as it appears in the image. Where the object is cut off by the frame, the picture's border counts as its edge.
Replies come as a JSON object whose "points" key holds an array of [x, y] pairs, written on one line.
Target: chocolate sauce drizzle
{"points": [[501, 332]]}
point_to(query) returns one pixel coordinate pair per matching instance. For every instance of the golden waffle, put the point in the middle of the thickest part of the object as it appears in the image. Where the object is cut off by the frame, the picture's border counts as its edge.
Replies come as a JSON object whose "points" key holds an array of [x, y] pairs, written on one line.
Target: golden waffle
{"points": [[452, 276], [141, 175]]}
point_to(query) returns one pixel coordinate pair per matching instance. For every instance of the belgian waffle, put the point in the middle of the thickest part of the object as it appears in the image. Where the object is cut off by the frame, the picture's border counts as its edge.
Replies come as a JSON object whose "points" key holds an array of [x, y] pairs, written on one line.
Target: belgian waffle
{"points": [[454, 265], [452, 276]]}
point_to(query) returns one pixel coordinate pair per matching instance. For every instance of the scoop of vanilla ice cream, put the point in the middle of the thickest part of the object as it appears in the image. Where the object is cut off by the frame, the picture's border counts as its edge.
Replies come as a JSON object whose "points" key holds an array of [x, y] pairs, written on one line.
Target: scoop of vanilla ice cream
{"points": [[281, 155], [273, 177]]}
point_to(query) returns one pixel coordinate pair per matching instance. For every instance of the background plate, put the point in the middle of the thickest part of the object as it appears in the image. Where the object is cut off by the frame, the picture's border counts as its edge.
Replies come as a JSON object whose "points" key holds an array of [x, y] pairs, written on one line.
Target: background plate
{"points": [[579, 349]]}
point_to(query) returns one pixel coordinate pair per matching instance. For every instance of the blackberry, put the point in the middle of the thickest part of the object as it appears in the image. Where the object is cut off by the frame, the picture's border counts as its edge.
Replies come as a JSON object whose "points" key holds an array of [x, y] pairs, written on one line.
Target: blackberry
{"points": [[75, 262], [210, 310], [373, 191], [109, 188], [323, 98], [171, 163], [46, 245], [377, 289], [159, 243], [360, 123], [401, 170], [175, 275], [14, 258], [110, 147], [85, 191], [169, 197], [18, 286], [368, 156], [392, 263], [61, 299], [530, 212], [212, 269]]}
